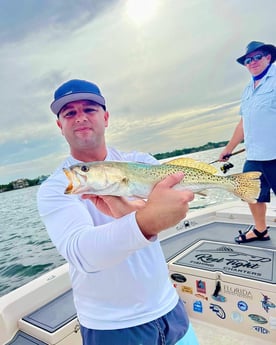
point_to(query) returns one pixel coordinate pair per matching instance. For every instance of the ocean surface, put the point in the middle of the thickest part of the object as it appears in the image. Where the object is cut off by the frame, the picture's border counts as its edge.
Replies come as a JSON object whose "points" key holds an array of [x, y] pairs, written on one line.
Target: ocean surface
{"points": [[26, 251]]}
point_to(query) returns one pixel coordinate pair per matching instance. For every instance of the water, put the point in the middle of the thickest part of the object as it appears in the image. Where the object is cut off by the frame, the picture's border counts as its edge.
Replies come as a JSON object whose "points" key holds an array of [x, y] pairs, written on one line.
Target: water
{"points": [[25, 248], [26, 251]]}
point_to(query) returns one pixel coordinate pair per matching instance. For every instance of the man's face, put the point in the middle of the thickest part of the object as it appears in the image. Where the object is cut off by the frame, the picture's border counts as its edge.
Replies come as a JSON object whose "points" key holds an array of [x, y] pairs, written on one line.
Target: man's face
{"points": [[256, 62], [83, 124]]}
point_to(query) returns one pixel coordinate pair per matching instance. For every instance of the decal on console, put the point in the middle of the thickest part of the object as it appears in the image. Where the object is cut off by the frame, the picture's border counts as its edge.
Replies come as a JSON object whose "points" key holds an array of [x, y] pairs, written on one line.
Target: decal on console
{"points": [[267, 304], [218, 310], [242, 306], [261, 329], [236, 316], [231, 259], [258, 318], [201, 286], [197, 307]]}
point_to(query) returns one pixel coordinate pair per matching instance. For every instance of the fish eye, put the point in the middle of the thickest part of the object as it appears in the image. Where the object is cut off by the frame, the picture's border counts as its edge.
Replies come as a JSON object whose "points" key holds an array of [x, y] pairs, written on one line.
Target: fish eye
{"points": [[84, 168]]}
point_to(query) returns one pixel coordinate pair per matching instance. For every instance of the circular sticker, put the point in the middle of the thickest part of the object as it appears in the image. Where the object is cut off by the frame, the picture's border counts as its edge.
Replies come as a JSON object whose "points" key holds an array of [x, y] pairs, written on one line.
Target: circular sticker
{"points": [[242, 305], [236, 316]]}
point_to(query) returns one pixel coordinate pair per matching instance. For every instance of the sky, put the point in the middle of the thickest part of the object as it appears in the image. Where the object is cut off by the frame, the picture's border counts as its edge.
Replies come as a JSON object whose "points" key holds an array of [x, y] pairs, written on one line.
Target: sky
{"points": [[167, 69]]}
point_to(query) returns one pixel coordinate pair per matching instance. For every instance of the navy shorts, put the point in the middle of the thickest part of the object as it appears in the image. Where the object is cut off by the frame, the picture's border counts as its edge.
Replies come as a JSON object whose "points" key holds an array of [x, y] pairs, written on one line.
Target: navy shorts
{"points": [[268, 177], [166, 330]]}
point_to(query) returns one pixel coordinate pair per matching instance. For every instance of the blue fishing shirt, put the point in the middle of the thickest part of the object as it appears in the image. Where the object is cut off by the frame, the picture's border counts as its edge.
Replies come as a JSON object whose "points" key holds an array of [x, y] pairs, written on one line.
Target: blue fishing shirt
{"points": [[258, 111]]}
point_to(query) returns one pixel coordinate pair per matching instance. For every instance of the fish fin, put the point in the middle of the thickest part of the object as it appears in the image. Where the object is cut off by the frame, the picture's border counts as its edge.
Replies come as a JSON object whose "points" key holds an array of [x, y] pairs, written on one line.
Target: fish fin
{"points": [[246, 185], [125, 180], [70, 187], [192, 163], [201, 193]]}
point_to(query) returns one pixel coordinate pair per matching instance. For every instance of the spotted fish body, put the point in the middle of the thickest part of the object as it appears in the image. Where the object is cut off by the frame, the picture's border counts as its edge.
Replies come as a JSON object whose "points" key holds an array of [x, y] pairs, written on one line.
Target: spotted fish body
{"points": [[131, 179]]}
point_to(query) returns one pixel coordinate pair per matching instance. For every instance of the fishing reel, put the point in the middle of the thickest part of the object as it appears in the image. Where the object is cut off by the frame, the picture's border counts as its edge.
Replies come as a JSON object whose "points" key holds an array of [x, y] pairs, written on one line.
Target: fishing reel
{"points": [[226, 166]]}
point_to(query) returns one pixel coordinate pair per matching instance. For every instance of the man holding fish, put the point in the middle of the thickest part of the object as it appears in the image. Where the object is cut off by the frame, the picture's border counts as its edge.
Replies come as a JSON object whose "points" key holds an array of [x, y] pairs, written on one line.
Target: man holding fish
{"points": [[121, 287]]}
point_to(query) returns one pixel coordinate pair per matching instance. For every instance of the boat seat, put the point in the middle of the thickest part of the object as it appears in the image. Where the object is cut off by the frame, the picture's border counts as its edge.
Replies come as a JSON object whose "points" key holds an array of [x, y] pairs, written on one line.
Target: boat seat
{"points": [[22, 338], [52, 322], [54, 314]]}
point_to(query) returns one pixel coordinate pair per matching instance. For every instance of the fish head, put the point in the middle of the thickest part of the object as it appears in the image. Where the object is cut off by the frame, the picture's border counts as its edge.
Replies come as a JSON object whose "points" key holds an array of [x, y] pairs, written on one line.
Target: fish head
{"points": [[85, 178]]}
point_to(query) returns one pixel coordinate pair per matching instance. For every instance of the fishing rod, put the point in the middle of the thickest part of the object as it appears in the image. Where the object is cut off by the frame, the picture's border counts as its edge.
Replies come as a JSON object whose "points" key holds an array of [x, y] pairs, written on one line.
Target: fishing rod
{"points": [[227, 165], [229, 155]]}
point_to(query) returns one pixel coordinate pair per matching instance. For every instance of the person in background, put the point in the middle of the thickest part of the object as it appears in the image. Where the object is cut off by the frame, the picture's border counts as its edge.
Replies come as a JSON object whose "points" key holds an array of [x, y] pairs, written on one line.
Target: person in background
{"points": [[121, 287], [257, 128]]}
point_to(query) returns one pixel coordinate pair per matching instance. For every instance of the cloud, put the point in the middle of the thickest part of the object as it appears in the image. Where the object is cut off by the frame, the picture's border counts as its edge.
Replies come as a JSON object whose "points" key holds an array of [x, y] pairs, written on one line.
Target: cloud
{"points": [[170, 82], [192, 127], [20, 18]]}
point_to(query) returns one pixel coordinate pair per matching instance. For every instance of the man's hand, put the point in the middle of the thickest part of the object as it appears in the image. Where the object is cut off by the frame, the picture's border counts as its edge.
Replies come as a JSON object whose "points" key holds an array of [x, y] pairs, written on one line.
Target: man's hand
{"points": [[165, 206], [224, 156]]}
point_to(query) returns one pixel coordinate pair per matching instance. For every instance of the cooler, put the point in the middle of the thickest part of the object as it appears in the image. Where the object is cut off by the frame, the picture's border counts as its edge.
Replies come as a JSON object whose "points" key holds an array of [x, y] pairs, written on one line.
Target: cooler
{"points": [[215, 282]]}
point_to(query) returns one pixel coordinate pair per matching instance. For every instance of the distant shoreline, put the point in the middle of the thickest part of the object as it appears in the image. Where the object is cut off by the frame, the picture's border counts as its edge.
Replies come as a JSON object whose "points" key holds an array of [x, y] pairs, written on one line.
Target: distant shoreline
{"points": [[179, 152], [25, 183]]}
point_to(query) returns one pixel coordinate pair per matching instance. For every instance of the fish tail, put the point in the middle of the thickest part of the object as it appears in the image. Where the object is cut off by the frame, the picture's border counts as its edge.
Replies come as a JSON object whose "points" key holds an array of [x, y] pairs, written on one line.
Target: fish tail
{"points": [[246, 186]]}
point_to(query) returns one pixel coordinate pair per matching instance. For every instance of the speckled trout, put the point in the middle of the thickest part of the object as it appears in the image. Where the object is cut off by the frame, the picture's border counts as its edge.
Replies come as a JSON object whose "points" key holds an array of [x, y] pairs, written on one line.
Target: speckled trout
{"points": [[130, 179]]}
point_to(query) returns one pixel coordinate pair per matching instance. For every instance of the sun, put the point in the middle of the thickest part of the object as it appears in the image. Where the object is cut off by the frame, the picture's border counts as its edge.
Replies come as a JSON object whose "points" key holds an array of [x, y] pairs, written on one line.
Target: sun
{"points": [[140, 11]]}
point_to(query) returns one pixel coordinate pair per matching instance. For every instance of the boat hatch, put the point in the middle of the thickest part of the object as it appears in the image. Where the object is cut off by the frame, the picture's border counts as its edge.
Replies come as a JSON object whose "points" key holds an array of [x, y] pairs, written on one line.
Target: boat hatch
{"points": [[22, 338], [51, 323], [54, 314]]}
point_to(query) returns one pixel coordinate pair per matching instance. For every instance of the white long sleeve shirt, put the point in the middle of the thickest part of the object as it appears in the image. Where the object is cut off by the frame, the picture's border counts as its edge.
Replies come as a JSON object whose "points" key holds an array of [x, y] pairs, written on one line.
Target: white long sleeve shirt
{"points": [[119, 278]]}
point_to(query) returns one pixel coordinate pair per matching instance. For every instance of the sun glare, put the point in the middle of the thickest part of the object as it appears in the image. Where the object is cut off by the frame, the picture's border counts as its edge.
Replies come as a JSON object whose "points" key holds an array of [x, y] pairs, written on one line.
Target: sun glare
{"points": [[139, 11]]}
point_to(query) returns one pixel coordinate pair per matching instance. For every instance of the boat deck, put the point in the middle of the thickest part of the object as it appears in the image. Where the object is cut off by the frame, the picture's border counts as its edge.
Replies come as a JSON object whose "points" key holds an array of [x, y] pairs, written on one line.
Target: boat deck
{"points": [[213, 335], [42, 311]]}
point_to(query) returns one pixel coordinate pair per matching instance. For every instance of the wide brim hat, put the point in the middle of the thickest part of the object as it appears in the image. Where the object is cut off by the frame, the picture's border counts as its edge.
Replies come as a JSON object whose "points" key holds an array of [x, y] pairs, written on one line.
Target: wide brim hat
{"points": [[76, 90], [254, 45]]}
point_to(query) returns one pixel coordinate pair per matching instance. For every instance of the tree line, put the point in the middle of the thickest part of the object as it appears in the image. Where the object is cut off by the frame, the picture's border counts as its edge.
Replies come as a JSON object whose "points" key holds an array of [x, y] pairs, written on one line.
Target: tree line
{"points": [[185, 151]]}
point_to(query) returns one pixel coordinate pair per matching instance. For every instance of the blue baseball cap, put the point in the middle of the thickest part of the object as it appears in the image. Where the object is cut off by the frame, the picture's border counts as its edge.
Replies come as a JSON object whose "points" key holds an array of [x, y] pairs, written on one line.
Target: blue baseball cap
{"points": [[76, 90]]}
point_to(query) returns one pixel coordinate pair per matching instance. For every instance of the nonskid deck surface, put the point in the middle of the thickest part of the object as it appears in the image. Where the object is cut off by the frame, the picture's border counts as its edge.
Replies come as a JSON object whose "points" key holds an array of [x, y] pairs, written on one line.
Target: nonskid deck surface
{"points": [[208, 334], [213, 248]]}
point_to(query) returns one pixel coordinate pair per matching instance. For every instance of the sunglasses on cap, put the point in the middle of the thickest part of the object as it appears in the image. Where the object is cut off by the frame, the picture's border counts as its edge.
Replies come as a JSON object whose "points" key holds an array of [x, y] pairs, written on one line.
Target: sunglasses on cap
{"points": [[256, 57]]}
